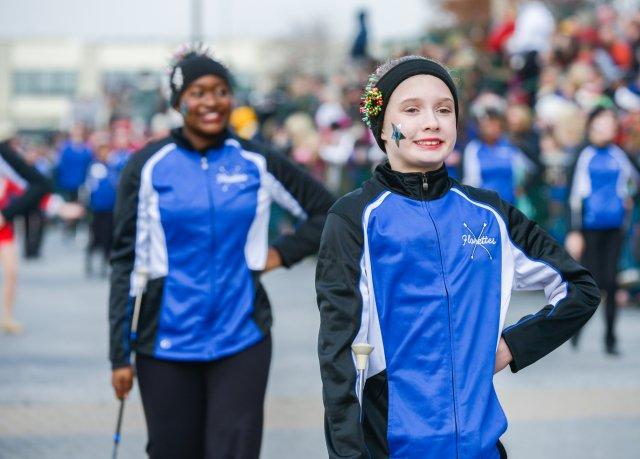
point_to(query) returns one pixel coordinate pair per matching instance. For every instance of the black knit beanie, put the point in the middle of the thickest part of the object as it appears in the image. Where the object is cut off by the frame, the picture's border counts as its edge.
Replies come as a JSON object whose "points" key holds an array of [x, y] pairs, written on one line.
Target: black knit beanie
{"points": [[191, 67], [396, 75]]}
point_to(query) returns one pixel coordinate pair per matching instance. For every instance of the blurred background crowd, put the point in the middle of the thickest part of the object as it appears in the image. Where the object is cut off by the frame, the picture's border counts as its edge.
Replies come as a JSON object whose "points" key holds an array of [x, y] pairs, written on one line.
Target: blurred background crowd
{"points": [[529, 74]]}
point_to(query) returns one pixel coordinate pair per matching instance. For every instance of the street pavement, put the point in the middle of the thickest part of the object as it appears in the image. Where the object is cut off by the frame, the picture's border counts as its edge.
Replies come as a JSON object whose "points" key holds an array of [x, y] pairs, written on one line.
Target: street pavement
{"points": [[56, 400]]}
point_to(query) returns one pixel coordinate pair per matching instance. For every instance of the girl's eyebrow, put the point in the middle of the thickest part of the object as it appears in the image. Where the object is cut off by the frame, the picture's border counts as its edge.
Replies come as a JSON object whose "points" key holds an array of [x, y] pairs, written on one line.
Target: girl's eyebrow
{"points": [[411, 100], [418, 100]]}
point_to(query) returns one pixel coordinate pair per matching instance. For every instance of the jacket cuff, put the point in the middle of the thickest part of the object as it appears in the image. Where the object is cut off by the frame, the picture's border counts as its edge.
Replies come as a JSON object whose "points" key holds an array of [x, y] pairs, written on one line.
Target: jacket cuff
{"points": [[514, 364], [280, 247], [115, 364]]}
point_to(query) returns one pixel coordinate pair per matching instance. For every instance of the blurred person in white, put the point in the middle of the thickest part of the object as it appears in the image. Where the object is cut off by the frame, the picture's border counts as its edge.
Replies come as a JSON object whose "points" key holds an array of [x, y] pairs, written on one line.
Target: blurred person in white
{"points": [[531, 39], [337, 142], [603, 182]]}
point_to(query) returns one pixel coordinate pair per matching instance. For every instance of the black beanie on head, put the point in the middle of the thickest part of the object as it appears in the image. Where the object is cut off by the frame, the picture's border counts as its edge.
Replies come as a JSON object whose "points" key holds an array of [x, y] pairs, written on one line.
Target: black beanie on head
{"points": [[190, 68], [396, 75]]}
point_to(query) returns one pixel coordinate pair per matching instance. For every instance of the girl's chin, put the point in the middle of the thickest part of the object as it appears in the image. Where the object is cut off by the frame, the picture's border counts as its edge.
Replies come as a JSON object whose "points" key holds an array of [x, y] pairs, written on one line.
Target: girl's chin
{"points": [[429, 157]]}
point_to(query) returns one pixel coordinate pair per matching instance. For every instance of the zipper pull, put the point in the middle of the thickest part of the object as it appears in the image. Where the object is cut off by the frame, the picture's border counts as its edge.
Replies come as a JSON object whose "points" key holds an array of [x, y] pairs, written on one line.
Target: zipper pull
{"points": [[204, 163], [425, 185]]}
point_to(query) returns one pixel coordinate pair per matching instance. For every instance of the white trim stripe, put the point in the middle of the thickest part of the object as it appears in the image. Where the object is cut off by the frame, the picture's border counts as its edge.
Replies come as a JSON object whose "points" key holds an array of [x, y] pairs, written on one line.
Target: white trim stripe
{"points": [[256, 247], [471, 164], [369, 331], [151, 247], [282, 196]]}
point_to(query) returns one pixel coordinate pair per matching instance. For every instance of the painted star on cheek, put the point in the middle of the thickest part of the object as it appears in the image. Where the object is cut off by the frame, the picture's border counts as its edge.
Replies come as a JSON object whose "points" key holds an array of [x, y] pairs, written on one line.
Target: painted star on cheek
{"points": [[397, 134]]}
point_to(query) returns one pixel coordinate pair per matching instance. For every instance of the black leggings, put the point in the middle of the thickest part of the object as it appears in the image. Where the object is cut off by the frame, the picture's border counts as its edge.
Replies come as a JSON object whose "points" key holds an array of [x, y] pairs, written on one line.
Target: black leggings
{"points": [[601, 253], [205, 410], [101, 233]]}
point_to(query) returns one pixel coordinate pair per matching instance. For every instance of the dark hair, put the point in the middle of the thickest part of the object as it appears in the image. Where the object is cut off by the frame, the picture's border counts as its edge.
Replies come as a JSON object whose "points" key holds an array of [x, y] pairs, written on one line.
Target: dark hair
{"points": [[597, 111]]}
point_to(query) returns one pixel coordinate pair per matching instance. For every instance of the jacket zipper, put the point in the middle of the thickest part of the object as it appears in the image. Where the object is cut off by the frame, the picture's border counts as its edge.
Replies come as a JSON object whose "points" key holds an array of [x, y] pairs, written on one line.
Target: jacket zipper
{"points": [[204, 164], [425, 187]]}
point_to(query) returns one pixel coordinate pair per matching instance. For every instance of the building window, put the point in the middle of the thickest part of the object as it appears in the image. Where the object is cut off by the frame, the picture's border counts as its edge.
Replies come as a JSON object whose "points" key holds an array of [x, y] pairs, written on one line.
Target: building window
{"points": [[44, 82]]}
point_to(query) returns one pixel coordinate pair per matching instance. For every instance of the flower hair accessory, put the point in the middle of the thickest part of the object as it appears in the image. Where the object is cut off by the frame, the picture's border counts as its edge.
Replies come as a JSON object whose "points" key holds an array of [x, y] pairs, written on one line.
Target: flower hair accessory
{"points": [[371, 104], [187, 49]]}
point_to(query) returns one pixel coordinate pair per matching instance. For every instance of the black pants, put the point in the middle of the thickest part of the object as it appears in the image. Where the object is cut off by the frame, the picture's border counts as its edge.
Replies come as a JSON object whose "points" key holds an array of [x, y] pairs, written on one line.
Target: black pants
{"points": [[101, 232], [205, 410], [34, 226], [501, 450], [601, 254]]}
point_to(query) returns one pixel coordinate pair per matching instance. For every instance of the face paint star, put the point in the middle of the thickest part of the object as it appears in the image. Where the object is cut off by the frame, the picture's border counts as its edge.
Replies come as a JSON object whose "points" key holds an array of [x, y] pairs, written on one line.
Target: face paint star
{"points": [[397, 134]]}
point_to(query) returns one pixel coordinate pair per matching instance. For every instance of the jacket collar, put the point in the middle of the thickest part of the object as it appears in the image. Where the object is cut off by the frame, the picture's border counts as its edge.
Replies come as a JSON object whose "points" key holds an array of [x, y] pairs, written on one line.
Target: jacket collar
{"points": [[217, 142], [416, 185]]}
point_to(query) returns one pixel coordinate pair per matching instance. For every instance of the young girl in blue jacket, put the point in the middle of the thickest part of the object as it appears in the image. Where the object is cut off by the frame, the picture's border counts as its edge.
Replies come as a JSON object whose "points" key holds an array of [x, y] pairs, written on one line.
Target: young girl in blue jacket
{"points": [[420, 268]]}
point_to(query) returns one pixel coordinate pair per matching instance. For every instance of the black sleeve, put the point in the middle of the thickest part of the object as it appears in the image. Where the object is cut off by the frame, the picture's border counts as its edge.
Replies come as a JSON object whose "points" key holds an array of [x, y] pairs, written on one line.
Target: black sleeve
{"points": [[16, 168], [575, 182], [122, 261], [296, 190], [540, 262], [340, 303]]}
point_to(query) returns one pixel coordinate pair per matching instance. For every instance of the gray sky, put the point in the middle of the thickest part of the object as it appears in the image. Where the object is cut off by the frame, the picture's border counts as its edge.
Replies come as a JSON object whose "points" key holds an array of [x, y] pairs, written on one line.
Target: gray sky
{"points": [[120, 19]]}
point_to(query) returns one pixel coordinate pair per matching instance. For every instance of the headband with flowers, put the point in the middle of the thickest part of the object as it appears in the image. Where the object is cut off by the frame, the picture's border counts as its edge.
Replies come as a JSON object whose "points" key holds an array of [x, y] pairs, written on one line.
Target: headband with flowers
{"points": [[370, 103]]}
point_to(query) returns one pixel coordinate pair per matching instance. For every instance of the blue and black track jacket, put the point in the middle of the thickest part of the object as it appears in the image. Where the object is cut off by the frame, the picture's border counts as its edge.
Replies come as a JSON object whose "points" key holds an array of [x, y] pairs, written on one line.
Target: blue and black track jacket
{"points": [[603, 178], [198, 222], [422, 268], [500, 167]]}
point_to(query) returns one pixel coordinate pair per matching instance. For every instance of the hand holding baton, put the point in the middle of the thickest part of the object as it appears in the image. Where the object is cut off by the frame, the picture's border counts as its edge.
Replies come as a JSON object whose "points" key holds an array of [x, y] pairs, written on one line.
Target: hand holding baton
{"points": [[362, 351], [140, 282]]}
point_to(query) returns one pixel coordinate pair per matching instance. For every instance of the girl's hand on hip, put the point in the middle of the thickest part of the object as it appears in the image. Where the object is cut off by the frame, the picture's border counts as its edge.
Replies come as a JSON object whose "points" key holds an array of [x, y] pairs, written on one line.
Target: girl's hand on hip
{"points": [[503, 356], [274, 260]]}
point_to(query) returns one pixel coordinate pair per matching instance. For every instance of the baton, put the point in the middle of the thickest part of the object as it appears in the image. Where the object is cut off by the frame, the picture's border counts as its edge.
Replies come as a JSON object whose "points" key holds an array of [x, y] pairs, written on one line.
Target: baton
{"points": [[140, 279], [362, 351]]}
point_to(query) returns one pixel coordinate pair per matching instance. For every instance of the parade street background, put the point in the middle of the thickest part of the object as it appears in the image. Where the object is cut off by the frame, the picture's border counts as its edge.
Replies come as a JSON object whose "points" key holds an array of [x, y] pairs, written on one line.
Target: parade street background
{"points": [[56, 400], [84, 86]]}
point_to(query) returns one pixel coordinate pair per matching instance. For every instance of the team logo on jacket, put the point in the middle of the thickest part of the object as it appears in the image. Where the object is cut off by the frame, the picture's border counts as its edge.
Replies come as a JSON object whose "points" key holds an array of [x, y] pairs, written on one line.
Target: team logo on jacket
{"points": [[480, 240], [227, 178]]}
